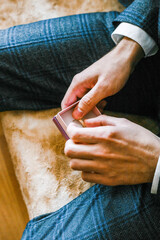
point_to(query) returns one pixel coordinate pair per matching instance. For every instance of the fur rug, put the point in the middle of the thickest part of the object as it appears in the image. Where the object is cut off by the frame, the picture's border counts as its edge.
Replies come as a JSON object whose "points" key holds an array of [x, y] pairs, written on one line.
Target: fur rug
{"points": [[13, 12], [35, 144]]}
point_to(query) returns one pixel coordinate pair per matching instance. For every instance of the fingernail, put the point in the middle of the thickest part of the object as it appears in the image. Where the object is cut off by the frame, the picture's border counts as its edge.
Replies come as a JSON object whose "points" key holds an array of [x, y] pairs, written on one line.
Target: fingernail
{"points": [[77, 113]]}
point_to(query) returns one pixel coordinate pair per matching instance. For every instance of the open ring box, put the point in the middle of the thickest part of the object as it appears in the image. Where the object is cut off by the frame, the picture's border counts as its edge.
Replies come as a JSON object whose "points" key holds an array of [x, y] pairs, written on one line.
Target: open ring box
{"points": [[64, 118]]}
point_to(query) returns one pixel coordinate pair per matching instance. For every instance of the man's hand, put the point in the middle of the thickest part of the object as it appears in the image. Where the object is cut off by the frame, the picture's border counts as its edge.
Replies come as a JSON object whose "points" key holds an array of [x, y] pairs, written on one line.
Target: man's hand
{"points": [[113, 151], [103, 78]]}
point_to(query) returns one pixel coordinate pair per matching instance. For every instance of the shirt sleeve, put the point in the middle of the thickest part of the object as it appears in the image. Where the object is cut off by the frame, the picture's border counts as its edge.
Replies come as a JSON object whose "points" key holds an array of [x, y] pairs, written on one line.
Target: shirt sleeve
{"points": [[144, 14], [137, 34]]}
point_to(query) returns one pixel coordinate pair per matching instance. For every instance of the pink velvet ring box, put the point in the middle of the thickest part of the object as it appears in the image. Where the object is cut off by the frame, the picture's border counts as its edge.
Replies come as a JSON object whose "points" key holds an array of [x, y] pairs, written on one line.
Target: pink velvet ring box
{"points": [[64, 118]]}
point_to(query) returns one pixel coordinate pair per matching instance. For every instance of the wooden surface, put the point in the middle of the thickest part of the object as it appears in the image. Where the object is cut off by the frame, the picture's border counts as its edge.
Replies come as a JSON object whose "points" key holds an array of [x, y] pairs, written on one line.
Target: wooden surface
{"points": [[13, 213]]}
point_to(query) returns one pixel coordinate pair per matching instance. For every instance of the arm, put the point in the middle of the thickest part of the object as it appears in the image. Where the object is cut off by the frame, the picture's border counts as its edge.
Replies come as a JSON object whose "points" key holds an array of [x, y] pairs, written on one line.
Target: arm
{"points": [[143, 14], [137, 34], [101, 80]]}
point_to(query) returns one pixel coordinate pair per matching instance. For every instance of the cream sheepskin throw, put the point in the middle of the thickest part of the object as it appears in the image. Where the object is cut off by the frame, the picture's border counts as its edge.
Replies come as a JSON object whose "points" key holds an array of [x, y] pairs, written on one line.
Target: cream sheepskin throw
{"points": [[36, 146]]}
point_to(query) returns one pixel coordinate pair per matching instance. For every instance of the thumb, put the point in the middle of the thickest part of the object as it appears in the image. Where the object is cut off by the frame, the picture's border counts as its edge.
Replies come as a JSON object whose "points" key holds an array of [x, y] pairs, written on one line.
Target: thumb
{"points": [[88, 102]]}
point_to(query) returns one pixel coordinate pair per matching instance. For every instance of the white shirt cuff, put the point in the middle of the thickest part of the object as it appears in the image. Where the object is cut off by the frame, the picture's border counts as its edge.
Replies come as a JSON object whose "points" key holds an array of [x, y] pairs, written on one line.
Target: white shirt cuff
{"points": [[156, 178], [137, 34]]}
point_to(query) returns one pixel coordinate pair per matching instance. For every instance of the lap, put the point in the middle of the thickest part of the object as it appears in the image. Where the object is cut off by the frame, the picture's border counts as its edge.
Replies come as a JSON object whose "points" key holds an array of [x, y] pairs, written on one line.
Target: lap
{"points": [[102, 213], [39, 60]]}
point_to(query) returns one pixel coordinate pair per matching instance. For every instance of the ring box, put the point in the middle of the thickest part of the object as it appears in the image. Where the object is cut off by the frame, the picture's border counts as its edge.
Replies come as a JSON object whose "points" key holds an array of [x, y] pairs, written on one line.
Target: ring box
{"points": [[64, 118]]}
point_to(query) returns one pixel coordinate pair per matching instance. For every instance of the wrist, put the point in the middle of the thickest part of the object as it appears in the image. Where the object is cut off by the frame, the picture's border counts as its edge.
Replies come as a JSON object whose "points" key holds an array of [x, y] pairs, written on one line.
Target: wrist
{"points": [[131, 51]]}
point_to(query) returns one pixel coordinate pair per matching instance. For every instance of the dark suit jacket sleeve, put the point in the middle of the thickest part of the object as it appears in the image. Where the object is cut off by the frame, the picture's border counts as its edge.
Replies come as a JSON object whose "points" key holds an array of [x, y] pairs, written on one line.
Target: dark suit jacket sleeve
{"points": [[143, 13]]}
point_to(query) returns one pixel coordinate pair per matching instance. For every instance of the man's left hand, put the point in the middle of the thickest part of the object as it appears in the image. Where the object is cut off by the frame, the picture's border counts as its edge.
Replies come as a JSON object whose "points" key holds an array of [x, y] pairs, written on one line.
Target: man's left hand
{"points": [[113, 151]]}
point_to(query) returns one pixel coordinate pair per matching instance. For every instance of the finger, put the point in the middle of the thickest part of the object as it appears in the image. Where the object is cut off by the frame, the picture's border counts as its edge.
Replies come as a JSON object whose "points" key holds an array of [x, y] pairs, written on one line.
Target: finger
{"points": [[82, 151], [86, 165], [97, 178], [102, 120], [80, 85], [73, 93], [88, 102], [89, 134]]}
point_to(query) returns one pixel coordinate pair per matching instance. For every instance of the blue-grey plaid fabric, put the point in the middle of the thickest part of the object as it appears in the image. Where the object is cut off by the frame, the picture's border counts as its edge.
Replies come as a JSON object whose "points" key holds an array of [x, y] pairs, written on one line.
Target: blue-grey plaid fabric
{"points": [[126, 3], [102, 213], [37, 63], [143, 13], [39, 60]]}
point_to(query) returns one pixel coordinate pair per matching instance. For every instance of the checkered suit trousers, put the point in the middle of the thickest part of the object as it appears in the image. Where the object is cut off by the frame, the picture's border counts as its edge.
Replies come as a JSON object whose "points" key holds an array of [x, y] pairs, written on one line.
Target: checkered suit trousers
{"points": [[37, 64]]}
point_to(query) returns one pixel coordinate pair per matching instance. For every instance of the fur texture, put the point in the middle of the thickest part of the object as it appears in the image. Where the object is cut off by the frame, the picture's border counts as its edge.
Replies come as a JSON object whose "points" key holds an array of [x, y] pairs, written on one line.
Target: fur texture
{"points": [[14, 12], [35, 144]]}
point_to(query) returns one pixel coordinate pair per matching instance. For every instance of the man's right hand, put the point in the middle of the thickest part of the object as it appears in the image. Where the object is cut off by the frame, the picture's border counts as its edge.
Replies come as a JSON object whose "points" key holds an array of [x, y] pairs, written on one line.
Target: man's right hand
{"points": [[104, 78]]}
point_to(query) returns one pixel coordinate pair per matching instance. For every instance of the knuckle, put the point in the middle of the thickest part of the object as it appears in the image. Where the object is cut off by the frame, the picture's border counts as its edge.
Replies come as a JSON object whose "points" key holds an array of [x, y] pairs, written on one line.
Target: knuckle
{"points": [[73, 164], [77, 77], [103, 134], [74, 135], [103, 153], [102, 118], [72, 132], [124, 120], [84, 176], [112, 133], [68, 148], [68, 152], [87, 102]]}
